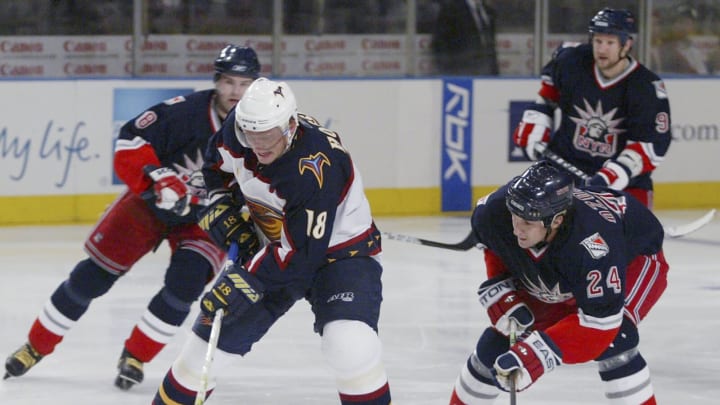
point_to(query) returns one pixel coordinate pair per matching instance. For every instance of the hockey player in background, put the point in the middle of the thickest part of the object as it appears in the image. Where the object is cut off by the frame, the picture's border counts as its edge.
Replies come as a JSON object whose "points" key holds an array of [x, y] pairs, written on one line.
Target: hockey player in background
{"points": [[575, 270], [615, 114], [319, 242], [159, 156]]}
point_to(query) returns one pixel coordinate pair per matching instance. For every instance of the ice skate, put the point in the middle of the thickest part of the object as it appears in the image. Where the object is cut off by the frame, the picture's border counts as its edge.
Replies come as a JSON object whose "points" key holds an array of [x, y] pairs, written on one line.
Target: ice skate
{"points": [[130, 371], [22, 360]]}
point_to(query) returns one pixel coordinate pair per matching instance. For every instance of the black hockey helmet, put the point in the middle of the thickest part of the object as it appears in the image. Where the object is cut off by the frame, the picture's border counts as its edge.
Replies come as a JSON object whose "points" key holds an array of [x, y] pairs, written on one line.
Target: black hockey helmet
{"points": [[618, 22], [238, 61], [540, 193]]}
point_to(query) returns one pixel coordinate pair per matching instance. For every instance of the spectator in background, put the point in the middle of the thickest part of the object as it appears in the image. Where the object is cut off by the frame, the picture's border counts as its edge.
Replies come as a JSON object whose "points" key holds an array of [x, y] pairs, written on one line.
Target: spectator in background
{"points": [[677, 53], [463, 42]]}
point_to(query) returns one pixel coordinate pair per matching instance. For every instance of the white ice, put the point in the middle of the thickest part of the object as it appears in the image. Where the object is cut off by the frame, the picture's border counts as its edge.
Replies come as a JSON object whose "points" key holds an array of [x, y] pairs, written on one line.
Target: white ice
{"points": [[430, 322]]}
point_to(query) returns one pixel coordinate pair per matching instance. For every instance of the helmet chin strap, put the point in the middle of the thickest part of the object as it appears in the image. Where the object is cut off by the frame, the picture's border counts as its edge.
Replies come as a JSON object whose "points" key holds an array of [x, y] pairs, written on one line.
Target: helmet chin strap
{"points": [[548, 230]]}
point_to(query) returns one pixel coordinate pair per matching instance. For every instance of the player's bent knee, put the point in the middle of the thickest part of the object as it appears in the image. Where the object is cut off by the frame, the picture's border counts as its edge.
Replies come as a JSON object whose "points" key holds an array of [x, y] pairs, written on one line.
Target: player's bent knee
{"points": [[89, 281], [187, 275], [187, 368], [353, 351]]}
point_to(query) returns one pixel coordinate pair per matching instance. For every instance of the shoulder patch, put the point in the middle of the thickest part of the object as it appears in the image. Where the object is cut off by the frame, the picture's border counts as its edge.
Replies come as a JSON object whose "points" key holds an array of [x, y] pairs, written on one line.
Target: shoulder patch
{"points": [[596, 246], [314, 163], [660, 90], [145, 120], [174, 100]]}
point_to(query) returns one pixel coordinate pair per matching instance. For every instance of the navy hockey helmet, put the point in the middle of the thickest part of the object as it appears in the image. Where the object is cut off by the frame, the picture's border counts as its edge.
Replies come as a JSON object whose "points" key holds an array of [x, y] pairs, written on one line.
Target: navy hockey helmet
{"points": [[618, 22], [238, 61], [542, 192]]}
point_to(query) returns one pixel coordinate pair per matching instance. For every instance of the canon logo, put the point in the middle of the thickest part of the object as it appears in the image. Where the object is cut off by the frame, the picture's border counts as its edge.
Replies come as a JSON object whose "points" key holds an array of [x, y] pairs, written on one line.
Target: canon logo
{"points": [[73, 69], [384, 65], [381, 44], [150, 68], [262, 46], [84, 46], [325, 67], [21, 70], [195, 45], [20, 47], [197, 67], [147, 46], [324, 44]]}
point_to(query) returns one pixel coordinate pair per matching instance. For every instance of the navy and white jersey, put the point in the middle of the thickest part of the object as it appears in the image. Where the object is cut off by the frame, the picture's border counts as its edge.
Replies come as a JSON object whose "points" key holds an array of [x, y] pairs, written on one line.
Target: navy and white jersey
{"points": [[601, 117], [309, 204], [173, 134], [585, 264]]}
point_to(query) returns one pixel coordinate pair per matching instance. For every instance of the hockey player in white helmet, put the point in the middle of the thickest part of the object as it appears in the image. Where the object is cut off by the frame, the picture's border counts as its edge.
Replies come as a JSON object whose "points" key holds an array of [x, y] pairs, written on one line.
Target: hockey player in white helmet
{"points": [[318, 243]]}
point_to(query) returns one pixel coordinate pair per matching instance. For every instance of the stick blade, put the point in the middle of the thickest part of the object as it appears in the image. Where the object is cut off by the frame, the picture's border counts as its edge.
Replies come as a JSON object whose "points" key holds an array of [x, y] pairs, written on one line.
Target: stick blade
{"points": [[682, 230]]}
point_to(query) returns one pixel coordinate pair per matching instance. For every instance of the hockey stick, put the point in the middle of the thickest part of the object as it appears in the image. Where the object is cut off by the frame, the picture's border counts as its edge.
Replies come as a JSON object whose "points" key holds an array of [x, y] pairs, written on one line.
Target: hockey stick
{"points": [[464, 245], [690, 227], [513, 339], [214, 335], [209, 355], [672, 231]]}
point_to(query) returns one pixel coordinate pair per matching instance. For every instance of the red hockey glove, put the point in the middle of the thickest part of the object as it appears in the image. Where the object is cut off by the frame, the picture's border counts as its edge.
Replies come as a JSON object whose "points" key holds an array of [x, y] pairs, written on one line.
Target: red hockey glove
{"points": [[502, 303], [534, 127], [526, 361], [171, 193]]}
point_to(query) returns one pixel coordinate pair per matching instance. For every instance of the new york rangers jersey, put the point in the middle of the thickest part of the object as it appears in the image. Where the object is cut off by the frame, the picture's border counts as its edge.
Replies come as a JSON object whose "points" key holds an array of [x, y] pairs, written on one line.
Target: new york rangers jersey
{"points": [[601, 117], [309, 205], [583, 268], [173, 134]]}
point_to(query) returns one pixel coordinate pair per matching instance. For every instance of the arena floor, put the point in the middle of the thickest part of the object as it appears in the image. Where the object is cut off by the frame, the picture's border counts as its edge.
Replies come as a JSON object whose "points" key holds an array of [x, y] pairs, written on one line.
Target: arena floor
{"points": [[430, 321]]}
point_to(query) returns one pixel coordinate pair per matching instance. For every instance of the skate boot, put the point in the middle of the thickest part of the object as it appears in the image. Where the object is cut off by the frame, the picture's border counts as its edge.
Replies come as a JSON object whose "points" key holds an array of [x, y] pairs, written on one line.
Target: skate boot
{"points": [[130, 371], [21, 361]]}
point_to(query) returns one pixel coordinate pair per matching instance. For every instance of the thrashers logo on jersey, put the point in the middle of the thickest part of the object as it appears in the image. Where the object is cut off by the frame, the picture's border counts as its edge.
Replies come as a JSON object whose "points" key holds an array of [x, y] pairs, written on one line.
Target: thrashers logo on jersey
{"points": [[314, 163], [268, 219], [596, 132], [596, 246]]}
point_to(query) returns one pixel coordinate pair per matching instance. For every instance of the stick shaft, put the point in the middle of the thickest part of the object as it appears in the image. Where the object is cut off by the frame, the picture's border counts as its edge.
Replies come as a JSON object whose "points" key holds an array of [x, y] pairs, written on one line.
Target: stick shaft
{"points": [[209, 355], [464, 245]]}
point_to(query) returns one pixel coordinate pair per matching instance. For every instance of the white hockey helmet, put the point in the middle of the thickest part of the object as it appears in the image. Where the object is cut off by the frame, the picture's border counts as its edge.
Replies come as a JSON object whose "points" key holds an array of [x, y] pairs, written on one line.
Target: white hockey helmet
{"points": [[266, 105]]}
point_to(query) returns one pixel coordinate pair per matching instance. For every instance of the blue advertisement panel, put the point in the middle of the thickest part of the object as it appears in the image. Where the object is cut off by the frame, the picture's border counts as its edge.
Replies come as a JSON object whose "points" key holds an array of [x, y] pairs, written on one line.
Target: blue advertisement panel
{"points": [[456, 165], [515, 153], [129, 103]]}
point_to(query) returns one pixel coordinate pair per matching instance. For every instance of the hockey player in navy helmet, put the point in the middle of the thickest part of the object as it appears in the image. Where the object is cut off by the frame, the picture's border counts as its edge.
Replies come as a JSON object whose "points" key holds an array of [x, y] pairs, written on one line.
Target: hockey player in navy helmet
{"points": [[572, 270], [615, 114], [159, 156]]}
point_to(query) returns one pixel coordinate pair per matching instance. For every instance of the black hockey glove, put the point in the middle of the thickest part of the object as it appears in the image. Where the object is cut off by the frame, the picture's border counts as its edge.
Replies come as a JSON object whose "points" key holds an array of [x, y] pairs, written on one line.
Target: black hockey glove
{"points": [[224, 223], [234, 292]]}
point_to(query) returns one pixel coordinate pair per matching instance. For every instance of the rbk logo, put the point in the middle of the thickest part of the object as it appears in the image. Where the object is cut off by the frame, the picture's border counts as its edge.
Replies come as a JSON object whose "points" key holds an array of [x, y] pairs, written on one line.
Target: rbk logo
{"points": [[314, 163]]}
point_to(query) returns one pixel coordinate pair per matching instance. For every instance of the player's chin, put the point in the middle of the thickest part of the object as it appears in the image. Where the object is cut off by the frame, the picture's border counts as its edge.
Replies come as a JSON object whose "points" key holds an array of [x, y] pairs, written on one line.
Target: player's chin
{"points": [[265, 157]]}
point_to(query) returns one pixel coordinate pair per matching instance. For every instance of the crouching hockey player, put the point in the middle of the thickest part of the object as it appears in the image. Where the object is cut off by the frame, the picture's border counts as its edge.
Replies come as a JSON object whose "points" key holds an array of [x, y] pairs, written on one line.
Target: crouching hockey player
{"points": [[575, 270]]}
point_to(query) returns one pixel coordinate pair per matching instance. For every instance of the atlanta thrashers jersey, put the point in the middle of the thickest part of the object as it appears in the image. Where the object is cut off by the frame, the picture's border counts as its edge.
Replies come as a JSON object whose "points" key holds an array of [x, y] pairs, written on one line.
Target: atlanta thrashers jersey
{"points": [[309, 204], [602, 117]]}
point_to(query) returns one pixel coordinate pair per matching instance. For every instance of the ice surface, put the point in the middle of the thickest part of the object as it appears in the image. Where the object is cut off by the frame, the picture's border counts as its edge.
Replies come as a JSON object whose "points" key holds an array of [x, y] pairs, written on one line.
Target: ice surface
{"points": [[430, 322]]}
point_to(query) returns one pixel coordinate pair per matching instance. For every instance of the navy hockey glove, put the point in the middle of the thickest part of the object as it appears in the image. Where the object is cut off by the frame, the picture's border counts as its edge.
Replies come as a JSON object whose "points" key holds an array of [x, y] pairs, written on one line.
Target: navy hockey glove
{"points": [[526, 361], [224, 223], [171, 193], [533, 128], [234, 292], [500, 299]]}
